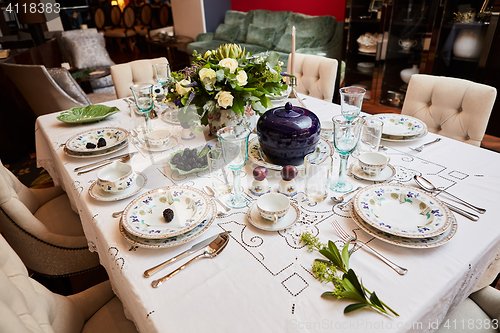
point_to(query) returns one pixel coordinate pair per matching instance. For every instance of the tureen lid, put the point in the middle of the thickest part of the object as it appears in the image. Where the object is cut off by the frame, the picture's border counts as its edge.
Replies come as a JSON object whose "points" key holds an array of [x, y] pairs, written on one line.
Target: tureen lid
{"points": [[289, 111]]}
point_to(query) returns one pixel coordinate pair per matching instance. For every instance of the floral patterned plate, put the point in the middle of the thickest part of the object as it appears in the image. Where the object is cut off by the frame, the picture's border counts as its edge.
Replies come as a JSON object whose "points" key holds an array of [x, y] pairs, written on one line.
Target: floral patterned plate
{"points": [[98, 153], [258, 157], [99, 194], [393, 138], [143, 217], [114, 136], [402, 210], [401, 125], [161, 243], [415, 243]]}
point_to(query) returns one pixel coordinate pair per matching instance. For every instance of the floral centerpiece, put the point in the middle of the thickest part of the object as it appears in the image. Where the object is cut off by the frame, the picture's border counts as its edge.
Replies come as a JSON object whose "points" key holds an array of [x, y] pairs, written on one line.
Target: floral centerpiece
{"points": [[227, 83]]}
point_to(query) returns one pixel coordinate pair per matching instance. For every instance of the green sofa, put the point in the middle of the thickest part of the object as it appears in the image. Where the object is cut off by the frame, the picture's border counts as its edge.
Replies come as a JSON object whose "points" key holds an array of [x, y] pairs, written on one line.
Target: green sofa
{"points": [[262, 30]]}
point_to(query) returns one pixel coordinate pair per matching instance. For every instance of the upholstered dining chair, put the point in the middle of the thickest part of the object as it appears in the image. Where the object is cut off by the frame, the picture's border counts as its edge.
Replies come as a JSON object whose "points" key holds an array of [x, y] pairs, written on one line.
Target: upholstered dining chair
{"points": [[27, 306], [130, 73], [50, 90], [456, 108], [315, 74], [474, 313], [42, 228]]}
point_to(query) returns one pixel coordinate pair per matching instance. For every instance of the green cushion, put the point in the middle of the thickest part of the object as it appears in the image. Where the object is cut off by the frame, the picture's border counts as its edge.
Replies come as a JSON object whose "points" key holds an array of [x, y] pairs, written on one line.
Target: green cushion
{"points": [[260, 36], [321, 28], [270, 19], [241, 20], [285, 43], [226, 32]]}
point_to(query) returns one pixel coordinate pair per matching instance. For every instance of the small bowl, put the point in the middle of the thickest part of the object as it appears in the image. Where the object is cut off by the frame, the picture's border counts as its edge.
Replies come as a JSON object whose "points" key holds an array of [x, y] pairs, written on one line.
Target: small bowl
{"points": [[373, 163], [273, 206], [116, 177], [158, 138]]}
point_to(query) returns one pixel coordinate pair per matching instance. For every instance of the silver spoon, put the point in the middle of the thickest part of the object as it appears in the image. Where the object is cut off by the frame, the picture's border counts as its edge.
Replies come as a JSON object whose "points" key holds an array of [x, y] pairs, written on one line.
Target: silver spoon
{"points": [[340, 199], [123, 159], [431, 188], [208, 190]]}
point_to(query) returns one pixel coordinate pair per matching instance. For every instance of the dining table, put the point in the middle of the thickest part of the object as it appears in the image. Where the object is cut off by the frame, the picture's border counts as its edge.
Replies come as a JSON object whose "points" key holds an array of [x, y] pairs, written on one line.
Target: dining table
{"points": [[263, 280]]}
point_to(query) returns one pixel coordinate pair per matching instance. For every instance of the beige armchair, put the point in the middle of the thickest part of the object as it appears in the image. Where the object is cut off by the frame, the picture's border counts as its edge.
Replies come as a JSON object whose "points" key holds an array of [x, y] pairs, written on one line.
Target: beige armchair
{"points": [[27, 306], [456, 108], [316, 75], [475, 313], [43, 229], [138, 71]]}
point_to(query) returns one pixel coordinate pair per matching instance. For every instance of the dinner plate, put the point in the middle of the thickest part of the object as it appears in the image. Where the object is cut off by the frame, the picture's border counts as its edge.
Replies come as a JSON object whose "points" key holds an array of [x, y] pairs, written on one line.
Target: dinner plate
{"points": [[286, 221], [99, 194], [87, 114], [97, 154], [402, 210], [114, 136], [143, 217], [407, 138], [258, 157], [401, 125], [387, 173], [175, 240], [415, 243]]}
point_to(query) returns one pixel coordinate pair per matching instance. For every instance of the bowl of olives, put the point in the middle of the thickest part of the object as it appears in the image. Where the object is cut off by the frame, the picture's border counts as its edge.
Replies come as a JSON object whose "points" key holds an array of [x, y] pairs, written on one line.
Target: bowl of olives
{"points": [[187, 160]]}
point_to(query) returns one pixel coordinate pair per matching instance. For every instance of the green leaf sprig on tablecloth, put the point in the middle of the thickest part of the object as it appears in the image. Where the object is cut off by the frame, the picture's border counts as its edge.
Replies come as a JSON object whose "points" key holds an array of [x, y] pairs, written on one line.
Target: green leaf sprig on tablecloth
{"points": [[347, 285]]}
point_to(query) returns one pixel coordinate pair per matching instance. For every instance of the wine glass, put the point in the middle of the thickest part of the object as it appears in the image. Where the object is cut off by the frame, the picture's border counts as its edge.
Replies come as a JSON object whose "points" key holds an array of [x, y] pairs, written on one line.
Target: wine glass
{"points": [[345, 138], [143, 96], [351, 99], [234, 144], [162, 75]]}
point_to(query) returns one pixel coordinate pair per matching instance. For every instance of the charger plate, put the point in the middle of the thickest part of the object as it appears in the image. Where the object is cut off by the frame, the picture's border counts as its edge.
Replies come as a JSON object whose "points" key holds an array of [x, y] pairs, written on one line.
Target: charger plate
{"points": [[402, 210], [143, 217], [415, 243], [175, 240], [114, 136], [258, 157], [403, 138], [401, 125]]}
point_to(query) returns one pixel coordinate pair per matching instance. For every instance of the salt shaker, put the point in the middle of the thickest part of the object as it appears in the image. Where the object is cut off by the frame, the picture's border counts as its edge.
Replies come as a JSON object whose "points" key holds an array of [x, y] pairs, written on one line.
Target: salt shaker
{"points": [[287, 184], [260, 185]]}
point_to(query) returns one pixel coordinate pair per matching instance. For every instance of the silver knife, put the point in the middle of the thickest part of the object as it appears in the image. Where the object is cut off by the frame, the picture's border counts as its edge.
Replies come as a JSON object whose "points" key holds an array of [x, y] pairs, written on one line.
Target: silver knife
{"points": [[103, 161], [193, 249], [465, 213]]}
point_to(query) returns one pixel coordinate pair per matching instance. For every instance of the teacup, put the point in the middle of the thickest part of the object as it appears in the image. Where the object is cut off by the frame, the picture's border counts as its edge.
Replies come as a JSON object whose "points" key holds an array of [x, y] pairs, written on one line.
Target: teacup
{"points": [[407, 44], [116, 177], [372, 163], [158, 138], [327, 129], [273, 206]]}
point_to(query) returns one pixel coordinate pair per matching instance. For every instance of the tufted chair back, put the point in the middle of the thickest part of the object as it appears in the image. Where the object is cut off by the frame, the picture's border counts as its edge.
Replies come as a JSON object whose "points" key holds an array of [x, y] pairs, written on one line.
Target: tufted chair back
{"points": [[138, 71], [315, 75], [456, 108]]}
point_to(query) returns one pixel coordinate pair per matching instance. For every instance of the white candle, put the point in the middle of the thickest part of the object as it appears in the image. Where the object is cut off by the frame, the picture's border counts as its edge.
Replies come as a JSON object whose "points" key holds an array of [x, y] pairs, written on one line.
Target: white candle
{"points": [[292, 57]]}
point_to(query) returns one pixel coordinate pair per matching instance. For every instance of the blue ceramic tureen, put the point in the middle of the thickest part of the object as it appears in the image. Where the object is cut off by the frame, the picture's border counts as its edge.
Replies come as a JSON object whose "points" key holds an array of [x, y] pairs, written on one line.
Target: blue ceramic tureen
{"points": [[287, 134]]}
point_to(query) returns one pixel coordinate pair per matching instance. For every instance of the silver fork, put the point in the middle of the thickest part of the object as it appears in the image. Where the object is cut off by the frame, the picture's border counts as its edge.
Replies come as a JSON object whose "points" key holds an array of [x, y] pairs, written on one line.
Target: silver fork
{"points": [[348, 238], [420, 148]]}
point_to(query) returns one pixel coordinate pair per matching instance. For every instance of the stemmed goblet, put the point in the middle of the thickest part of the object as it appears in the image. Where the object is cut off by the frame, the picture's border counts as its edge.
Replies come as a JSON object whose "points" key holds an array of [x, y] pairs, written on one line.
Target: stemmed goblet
{"points": [[143, 96], [234, 144], [351, 99], [162, 75], [345, 138]]}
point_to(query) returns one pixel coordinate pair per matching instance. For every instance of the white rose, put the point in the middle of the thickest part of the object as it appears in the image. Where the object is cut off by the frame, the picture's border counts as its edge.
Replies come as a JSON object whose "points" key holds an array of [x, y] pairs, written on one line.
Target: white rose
{"points": [[224, 99], [182, 90], [207, 76], [242, 78], [230, 63]]}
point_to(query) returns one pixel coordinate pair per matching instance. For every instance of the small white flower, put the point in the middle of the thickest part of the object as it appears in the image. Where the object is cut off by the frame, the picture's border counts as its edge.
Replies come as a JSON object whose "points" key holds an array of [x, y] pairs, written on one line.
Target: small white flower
{"points": [[224, 99], [230, 63], [182, 90], [242, 78]]}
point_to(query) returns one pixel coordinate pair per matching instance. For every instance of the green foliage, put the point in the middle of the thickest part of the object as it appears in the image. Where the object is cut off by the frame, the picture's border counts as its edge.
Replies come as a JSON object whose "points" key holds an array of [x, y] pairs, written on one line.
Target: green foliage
{"points": [[326, 271]]}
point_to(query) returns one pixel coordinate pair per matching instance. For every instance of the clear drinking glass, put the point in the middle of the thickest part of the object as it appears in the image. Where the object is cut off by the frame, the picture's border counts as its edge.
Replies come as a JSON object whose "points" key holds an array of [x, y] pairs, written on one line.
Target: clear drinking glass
{"points": [[351, 99], [346, 135], [234, 143], [220, 175], [318, 169], [370, 135], [143, 96], [162, 73]]}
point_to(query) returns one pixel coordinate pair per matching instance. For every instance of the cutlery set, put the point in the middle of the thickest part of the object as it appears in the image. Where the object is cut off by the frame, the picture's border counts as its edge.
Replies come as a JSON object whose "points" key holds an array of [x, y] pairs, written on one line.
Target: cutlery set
{"points": [[99, 164]]}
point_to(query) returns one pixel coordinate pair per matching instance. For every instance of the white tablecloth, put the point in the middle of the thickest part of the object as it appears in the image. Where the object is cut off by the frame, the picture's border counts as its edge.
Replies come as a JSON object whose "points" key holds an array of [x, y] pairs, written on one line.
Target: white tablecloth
{"points": [[262, 282]]}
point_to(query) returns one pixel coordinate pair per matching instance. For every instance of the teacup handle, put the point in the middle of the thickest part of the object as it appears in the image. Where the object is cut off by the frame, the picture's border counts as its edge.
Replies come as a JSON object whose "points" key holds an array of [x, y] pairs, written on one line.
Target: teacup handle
{"points": [[400, 42], [414, 43], [275, 218]]}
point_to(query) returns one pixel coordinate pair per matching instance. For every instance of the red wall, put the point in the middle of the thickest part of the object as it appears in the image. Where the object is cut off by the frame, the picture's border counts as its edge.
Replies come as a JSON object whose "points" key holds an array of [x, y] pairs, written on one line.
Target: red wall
{"points": [[335, 8]]}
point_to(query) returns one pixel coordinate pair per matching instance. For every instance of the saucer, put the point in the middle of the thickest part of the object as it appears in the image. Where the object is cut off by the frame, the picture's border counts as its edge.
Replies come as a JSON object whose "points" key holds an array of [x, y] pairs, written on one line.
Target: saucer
{"points": [[387, 173], [287, 221], [172, 142], [97, 192]]}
